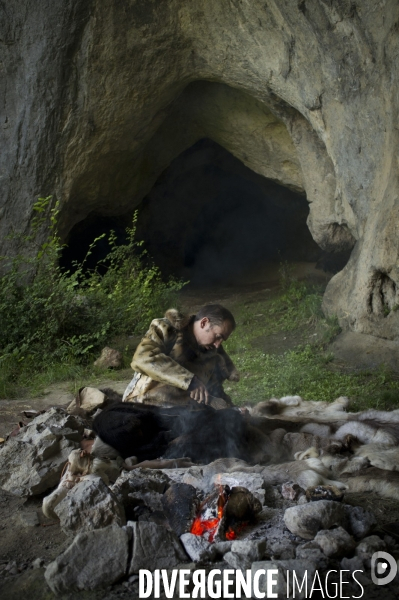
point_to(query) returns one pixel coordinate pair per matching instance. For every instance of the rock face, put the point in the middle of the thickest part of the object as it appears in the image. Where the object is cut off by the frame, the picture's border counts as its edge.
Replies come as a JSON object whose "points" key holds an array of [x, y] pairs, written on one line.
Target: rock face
{"points": [[99, 102]]}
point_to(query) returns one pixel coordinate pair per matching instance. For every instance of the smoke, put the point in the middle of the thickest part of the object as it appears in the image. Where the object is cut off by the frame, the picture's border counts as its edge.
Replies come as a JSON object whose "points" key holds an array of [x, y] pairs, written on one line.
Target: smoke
{"points": [[199, 432]]}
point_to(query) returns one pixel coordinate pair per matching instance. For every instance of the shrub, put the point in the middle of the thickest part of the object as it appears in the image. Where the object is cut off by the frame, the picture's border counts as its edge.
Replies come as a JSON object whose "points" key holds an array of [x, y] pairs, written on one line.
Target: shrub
{"points": [[48, 316]]}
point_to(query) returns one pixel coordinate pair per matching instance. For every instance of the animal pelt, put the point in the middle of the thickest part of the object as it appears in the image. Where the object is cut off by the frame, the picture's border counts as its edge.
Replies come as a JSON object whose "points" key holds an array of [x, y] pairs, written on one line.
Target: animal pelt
{"points": [[80, 466], [293, 408], [148, 432], [381, 456], [385, 483], [371, 426], [365, 434], [307, 472]]}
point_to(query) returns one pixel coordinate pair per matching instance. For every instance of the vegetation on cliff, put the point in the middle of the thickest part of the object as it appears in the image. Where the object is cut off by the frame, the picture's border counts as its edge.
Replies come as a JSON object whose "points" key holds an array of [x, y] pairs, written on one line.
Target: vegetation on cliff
{"points": [[52, 321]]}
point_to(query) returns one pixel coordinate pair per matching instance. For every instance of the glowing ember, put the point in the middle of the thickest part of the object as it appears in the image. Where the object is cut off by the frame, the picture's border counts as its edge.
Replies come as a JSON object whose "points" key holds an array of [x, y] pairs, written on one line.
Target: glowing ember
{"points": [[199, 527], [231, 534], [207, 524]]}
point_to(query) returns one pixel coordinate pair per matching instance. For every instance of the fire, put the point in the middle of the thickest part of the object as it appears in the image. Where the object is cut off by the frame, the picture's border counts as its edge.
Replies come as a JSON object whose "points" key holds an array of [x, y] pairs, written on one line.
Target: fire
{"points": [[199, 527], [209, 526], [231, 534]]}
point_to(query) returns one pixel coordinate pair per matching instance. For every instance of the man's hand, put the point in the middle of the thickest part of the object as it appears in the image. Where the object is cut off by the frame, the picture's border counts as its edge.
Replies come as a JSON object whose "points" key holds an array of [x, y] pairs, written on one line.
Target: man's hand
{"points": [[198, 391]]}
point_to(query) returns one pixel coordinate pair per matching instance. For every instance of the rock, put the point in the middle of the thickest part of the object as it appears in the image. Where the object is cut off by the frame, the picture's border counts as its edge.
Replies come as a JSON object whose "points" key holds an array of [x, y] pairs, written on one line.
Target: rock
{"points": [[304, 571], [94, 559], [281, 549], [251, 481], [311, 154], [361, 521], [222, 547], [87, 400], [237, 561], [154, 547], [139, 480], [109, 359], [197, 548], [29, 519], [32, 462], [90, 504], [180, 505], [307, 519], [291, 491], [310, 551], [254, 550], [366, 548], [303, 500], [245, 552], [150, 499], [352, 564], [38, 563], [194, 476], [335, 542]]}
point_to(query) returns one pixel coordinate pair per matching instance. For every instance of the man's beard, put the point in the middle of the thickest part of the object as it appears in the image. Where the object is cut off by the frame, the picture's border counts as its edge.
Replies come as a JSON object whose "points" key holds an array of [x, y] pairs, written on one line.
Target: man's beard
{"points": [[206, 349]]}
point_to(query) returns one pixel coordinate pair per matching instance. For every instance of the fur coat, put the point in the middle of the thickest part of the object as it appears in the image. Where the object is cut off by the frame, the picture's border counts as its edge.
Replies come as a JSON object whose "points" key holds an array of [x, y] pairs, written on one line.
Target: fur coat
{"points": [[167, 359]]}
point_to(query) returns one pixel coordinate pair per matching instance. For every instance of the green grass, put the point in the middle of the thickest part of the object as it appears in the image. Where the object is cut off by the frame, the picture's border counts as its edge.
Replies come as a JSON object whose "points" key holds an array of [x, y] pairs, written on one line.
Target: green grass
{"points": [[280, 347], [305, 368]]}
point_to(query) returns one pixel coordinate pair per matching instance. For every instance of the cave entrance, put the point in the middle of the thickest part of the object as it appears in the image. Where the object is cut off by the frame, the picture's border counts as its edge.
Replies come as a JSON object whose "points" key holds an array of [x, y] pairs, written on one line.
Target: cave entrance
{"points": [[211, 219], [208, 219]]}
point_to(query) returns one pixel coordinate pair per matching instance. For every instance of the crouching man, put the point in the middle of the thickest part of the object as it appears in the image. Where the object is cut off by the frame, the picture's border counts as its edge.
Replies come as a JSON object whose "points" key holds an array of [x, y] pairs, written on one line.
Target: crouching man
{"points": [[182, 358]]}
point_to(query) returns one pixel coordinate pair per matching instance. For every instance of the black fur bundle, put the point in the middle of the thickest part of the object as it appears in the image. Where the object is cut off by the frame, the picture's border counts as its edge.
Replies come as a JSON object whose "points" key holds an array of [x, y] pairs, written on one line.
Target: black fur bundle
{"points": [[148, 432]]}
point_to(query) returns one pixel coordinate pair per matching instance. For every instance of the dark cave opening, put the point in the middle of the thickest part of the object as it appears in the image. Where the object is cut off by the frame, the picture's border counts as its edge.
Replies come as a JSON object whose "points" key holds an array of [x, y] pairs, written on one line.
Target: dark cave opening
{"points": [[84, 233], [209, 219]]}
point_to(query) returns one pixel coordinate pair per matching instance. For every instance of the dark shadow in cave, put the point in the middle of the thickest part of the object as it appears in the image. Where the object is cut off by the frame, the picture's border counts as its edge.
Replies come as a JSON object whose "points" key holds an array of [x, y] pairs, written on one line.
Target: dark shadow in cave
{"points": [[85, 232], [210, 218]]}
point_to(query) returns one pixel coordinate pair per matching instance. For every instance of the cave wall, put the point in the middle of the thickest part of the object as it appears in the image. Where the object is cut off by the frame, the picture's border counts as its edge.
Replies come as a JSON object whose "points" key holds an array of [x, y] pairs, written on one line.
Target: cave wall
{"points": [[99, 99]]}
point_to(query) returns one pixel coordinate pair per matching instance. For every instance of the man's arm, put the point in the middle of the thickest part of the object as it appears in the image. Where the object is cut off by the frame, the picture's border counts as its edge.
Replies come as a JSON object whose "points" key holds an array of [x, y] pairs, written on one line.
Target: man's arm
{"points": [[151, 356]]}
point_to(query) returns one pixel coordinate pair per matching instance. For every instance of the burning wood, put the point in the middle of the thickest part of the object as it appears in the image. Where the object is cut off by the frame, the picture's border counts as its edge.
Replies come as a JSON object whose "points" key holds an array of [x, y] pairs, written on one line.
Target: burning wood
{"points": [[224, 513]]}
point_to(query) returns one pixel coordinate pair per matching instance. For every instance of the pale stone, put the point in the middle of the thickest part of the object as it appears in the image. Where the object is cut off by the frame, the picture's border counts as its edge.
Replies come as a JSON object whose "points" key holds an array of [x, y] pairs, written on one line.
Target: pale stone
{"points": [[307, 519], [304, 571], [197, 548], [88, 399], [32, 462], [109, 359], [90, 504], [154, 547], [94, 559], [335, 542]]}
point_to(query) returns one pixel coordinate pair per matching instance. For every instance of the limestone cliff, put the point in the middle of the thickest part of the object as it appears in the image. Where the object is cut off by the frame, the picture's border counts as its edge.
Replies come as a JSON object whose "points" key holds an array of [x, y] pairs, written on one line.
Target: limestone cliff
{"points": [[99, 98]]}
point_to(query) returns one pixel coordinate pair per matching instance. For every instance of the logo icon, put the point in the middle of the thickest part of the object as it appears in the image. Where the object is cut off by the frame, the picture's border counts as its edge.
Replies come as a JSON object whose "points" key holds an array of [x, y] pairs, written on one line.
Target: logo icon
{"points": [[383, 568]]}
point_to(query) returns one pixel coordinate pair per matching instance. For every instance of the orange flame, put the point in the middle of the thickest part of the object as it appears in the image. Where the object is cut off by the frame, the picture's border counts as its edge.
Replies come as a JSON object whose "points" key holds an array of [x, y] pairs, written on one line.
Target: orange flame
{"points": [[201, 526]]}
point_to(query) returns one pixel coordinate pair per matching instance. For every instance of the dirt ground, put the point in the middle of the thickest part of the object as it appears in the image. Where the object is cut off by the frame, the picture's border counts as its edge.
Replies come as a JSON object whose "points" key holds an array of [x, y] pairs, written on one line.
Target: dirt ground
{"points": [[26, 535]]}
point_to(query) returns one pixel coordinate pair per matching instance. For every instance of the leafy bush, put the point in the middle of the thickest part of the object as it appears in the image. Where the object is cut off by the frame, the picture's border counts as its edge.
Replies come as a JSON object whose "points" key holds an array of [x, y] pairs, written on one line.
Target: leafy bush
{"points": [[48, 316]]}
